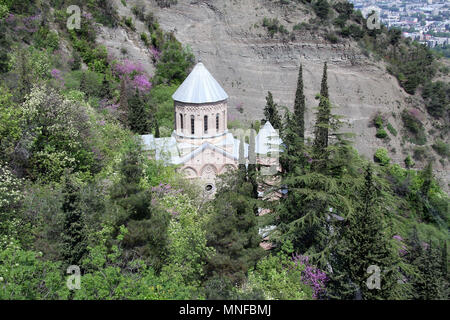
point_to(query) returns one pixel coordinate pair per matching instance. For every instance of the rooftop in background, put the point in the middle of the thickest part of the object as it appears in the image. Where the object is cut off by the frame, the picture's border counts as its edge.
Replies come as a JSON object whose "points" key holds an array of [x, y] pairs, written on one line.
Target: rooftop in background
{"points": [[200, 87]]}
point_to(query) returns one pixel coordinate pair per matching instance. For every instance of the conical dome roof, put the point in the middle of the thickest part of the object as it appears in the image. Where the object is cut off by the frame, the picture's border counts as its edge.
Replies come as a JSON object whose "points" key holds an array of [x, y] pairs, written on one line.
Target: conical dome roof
{"points": [[200, 87]]}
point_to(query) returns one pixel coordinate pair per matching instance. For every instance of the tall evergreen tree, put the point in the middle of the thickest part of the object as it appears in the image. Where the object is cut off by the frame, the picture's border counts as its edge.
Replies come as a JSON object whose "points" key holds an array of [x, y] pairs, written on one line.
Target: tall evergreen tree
{"points": [[233, 230], [24, 73], [105, 92], [293, 148], [132, 207], [76, 64], [428, 279], [322, 125], [299, 106], [123, 102], [271, 112], [74, 236], [428, 284], [137, 116], [364, 243], [242, 160], [251, 171], [83, 84], [156, 125]]}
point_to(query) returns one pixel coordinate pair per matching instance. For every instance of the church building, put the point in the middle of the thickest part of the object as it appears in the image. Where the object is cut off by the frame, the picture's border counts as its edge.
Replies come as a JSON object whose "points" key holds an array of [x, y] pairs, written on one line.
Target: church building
{"points": [[201, 144]]}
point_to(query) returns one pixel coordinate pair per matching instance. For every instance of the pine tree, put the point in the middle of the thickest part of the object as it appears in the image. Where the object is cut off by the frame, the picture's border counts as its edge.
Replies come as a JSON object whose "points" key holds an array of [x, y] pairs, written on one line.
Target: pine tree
{"points": [[300, 107], [271, 112], [322, 125], [364, 243]]}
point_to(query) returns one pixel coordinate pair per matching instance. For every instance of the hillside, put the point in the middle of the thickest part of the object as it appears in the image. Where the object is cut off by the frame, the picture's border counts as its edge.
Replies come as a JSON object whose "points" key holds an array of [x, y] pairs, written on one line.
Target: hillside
{"points": [[229, 37], [83, 83]]}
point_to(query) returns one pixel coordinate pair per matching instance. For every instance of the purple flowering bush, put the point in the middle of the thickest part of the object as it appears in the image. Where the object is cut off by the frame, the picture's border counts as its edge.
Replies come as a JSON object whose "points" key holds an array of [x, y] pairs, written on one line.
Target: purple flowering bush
{"points": [[311, 275], [134, 75]]}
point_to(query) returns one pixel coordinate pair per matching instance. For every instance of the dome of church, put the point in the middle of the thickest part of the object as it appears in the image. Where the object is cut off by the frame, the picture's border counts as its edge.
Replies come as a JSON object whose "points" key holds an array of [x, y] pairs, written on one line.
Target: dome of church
{"points": [[200, 87]]}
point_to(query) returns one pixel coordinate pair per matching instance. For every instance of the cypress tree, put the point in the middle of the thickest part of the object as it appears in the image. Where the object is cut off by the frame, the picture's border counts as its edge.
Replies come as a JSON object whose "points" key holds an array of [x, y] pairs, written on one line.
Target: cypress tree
{"points": [[156, 124], [299, 106], [76, 64], [427, 176], [322, 124], [423, 205], [83, 84], [105, 89], [293, 156], [242, 167], [137, 116], [24, 70], [251, 171], [271, 112], [123, 102], [74, 236]]}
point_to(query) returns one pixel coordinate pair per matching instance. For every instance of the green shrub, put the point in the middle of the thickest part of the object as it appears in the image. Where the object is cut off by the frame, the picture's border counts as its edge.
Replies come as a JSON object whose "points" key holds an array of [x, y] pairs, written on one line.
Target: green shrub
{"points": [[273, 26], [47, 39], [332, 38], [139, 12], [381, 156], [166, 3], [129, 23], [340, 21], [409, 162], [144, 38], [391, 129], [378, 121], [437, 98], [381, 133], [413, 124], [174, 63], [322, 9], [419, 153], [441, 148]]}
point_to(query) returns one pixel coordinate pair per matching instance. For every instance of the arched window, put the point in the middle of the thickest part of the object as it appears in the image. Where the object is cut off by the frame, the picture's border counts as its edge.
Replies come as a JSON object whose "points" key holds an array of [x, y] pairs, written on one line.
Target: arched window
{"points": [[181, 121], [205, 120], [217, 122], [192, 125]]}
